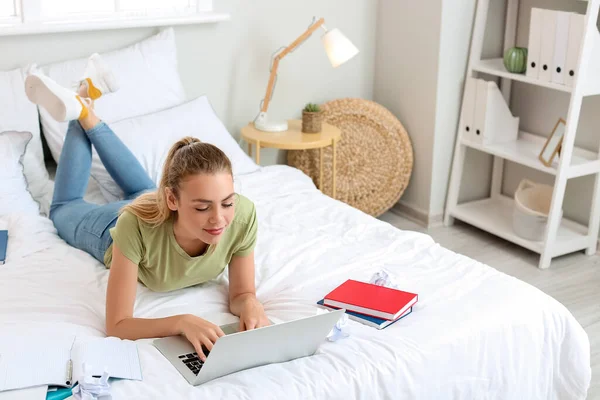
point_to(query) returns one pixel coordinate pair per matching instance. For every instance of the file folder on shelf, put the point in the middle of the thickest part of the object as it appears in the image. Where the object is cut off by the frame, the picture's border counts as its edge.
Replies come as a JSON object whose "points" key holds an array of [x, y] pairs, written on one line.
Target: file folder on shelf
{"points": [[535, 43], [493, 120], [480, 111], [468, 110], [561, 40], [547, 48], [576, 30]]}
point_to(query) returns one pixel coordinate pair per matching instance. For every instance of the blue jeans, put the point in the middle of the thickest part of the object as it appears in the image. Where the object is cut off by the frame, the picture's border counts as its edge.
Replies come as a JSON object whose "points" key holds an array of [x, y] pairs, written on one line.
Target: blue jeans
{"points": [[85, 225]]}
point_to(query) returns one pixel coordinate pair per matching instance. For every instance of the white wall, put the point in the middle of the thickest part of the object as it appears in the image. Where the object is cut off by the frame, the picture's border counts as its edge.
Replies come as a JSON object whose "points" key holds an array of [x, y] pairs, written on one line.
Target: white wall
{"points": [[406, 79], [458, 17], [422, 54], [229, 61], [455, 37]]}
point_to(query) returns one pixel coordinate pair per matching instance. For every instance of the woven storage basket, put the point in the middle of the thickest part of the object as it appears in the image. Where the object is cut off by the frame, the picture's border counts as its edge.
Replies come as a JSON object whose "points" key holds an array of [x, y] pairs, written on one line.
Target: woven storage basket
{"points": [[374, 157]]}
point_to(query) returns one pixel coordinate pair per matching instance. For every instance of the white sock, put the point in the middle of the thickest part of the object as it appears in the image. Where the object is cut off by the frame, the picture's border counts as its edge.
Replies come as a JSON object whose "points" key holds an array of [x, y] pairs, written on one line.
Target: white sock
{"points": [[61, 103], [98, 78]]}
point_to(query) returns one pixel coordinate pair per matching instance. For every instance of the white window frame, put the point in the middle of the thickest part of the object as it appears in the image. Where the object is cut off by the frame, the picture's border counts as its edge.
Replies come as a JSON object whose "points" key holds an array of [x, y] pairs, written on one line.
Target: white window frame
{"points": [[15, 19], [29, 18]]}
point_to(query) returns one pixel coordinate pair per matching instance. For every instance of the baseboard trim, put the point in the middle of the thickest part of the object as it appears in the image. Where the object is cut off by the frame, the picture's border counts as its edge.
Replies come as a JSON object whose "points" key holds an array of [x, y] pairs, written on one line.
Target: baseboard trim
{"points": [[436, 220], [417, 215]]}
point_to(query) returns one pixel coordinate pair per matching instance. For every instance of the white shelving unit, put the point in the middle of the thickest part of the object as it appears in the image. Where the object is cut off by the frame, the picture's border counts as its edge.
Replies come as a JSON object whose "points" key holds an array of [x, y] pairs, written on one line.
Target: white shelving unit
{"points": [[494, 214]]}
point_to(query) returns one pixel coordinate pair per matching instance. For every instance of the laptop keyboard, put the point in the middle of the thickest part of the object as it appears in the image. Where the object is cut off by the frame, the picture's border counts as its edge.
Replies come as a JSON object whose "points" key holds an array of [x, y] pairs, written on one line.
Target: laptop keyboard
{"points": [[192, 361]]}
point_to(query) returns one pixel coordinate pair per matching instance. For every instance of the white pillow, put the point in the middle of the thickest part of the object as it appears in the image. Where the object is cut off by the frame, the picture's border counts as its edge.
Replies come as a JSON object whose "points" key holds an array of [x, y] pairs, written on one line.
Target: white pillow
{"points": [[14, 196], [148, 78], [150, 137], [17, 113]]}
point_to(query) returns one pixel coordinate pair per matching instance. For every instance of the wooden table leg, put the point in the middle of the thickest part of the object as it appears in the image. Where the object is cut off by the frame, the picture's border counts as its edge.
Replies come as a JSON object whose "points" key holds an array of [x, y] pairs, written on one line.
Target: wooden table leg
{"points": [[249, 149], [321, 169], [333, 172], [258, 152]]}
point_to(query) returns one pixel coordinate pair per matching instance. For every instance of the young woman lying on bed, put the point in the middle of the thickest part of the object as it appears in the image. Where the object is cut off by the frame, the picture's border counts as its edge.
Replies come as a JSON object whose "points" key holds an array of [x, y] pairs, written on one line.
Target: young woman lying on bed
{"points": [[183, 233]]}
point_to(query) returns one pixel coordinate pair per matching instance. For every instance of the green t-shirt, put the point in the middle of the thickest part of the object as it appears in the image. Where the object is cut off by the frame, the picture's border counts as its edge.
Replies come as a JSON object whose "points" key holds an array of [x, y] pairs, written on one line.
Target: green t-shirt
{"points": [[164, 266]]}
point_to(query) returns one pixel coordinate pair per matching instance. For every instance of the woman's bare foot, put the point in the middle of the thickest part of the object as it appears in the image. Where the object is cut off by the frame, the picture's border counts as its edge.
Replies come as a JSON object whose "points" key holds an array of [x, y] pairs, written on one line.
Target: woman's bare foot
{"points": [[82, 91]]}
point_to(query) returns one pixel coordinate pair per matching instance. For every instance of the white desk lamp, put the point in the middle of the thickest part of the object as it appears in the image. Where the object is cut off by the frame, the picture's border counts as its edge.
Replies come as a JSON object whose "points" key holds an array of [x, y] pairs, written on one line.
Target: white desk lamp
{"points": [[339, 50]]}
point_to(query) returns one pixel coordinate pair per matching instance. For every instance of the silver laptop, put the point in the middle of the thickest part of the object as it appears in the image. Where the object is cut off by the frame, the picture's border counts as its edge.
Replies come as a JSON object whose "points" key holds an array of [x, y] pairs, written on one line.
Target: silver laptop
{"points": [[242, 350]]}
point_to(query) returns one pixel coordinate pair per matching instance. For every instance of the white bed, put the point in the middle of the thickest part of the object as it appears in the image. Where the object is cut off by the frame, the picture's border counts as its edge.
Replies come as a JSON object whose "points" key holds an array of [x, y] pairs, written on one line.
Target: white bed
{"points": [[474, 334]]}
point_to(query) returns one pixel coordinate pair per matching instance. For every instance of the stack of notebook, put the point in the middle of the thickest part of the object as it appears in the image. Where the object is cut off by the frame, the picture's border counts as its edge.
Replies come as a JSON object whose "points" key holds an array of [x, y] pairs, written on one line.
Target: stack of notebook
{"points": [[3, 245], [370, 304]]}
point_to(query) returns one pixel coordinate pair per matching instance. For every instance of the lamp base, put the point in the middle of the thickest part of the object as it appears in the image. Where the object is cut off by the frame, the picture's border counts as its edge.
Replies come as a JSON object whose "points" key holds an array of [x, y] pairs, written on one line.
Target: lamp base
{"points": [[262, 123]]}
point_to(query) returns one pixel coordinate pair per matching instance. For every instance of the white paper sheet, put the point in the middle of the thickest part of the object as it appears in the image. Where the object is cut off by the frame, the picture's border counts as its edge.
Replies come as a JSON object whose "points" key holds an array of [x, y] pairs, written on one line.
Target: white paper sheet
{"points": [[33, 360], [119, 357]]}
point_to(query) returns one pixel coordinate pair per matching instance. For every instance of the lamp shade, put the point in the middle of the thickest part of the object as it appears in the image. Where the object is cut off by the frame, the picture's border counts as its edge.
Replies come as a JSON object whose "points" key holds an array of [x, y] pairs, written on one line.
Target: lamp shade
{"points": [[338, 48]]}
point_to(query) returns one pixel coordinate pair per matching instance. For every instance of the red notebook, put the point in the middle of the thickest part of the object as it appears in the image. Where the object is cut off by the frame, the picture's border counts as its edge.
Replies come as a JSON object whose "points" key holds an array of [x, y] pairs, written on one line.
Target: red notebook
{"points": [[370, 299]]}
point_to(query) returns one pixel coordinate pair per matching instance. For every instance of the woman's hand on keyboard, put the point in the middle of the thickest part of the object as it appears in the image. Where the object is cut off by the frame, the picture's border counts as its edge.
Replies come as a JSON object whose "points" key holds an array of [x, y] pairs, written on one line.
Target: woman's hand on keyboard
{"points": [[199, 332], [252, 315]]}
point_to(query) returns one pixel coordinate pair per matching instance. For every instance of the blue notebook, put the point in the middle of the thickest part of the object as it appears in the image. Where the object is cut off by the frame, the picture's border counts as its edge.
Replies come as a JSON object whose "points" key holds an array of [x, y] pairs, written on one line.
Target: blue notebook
{"points": [[3, 245], [375, 322]]}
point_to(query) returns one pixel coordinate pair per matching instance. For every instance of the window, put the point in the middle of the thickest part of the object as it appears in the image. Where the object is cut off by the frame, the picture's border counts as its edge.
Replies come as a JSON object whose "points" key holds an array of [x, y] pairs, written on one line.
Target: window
{"points": [[40, 16], [55, 8], [64, 8], [154, 4], [7, 8]]}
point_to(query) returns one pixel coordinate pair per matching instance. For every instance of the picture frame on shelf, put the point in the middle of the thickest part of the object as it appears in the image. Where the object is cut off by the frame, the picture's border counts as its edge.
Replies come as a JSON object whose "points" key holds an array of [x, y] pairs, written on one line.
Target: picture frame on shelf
{"points": [[553, 143]]}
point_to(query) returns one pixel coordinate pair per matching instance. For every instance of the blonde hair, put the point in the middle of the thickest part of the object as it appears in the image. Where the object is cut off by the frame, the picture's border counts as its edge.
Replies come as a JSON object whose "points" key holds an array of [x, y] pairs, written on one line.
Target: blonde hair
{"points": [[189, 156]]}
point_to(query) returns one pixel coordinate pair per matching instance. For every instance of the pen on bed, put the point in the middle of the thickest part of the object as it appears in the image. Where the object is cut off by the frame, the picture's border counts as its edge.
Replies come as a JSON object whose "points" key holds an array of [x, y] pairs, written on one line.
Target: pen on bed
{"points": [[69, 372]]}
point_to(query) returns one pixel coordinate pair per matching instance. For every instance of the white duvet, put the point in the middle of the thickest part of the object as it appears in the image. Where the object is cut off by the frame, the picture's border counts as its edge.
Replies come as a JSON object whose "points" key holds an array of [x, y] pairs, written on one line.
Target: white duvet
{"points": [[474, 334]]}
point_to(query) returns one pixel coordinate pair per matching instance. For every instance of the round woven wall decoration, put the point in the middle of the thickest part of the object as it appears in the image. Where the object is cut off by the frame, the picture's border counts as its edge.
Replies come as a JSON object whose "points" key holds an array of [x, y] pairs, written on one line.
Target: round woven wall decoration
{"points": [[374, 157]]}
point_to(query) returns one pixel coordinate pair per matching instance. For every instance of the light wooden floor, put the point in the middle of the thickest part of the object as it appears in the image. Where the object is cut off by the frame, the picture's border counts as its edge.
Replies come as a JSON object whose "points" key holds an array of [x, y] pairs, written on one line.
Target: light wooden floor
{"points": [[574, 280]]}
